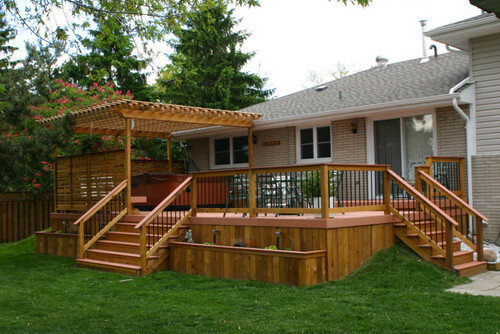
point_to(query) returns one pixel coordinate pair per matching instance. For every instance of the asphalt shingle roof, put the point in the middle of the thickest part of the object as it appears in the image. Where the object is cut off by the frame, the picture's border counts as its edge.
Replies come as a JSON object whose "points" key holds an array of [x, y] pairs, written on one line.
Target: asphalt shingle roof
{"points": [[406, 80]]}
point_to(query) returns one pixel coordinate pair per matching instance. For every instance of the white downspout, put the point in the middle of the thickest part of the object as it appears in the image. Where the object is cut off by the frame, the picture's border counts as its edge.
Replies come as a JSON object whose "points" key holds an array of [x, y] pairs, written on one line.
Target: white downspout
{"points": [[470, 133]]}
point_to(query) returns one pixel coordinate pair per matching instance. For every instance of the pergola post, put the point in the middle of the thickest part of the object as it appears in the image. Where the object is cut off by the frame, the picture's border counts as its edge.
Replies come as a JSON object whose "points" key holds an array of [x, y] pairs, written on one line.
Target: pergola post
{"points": [[128, 164], [250, 147], [169, 155]]}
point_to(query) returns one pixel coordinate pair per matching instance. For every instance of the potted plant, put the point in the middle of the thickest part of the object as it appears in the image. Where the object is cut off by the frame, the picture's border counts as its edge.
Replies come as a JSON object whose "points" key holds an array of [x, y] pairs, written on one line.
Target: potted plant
{"points": [[310, 187]]}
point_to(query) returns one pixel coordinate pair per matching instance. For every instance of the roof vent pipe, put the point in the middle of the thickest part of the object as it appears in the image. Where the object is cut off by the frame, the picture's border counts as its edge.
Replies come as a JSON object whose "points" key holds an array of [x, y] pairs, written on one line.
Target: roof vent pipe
{"points": [[425, 58], [381, 61]]}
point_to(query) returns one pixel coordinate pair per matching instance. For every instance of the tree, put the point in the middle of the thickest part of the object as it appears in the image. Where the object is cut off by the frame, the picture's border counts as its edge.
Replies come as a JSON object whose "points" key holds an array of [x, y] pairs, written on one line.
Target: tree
{"points": [[6, 35], [148, 20], [110, 60], [207, 63], [29, 148]]}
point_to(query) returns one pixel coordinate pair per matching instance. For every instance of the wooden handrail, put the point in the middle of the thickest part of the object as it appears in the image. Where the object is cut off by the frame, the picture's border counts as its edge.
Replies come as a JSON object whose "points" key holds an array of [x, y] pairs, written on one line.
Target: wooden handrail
{"points": [[102, 202], [408, 188], [166, 202], [460, 202]]}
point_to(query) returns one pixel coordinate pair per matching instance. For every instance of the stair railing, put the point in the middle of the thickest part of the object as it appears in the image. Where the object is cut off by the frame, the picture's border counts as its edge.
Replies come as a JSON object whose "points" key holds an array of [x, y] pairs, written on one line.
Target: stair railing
{"points": [[470, 221], [436, 226], [162, 222], [94, 223]]}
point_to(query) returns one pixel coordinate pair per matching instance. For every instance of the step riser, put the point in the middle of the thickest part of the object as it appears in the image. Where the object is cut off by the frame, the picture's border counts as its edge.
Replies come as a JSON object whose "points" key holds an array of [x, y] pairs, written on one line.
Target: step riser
{"points": [[111, 269], [123, 237], [119, 248], [113, 258], [472, 271]]}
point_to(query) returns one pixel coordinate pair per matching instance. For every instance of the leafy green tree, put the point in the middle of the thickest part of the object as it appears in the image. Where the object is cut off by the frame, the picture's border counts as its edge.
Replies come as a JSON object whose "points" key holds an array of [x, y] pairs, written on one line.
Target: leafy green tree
{"points": [[148, 20], [207, 63], [110, 60]]}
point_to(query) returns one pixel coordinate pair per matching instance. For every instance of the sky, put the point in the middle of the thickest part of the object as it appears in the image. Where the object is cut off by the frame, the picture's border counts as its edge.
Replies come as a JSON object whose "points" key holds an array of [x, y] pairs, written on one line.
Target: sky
{"points": [[292, 38]]}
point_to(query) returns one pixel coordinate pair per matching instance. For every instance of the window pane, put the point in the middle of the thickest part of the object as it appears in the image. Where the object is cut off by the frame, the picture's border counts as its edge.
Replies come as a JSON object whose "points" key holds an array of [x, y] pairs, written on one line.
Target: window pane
{"points": [[222, 153], [240, 143], [323, 134], [418, 142], [307, 151], [324, 150], [221, 145], [222, 158], [240, 150], [306, 136]]}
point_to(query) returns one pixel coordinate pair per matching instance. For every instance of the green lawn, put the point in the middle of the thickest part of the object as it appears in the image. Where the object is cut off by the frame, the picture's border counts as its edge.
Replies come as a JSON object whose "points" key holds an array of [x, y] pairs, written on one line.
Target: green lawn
{"points": [[394, 293]]}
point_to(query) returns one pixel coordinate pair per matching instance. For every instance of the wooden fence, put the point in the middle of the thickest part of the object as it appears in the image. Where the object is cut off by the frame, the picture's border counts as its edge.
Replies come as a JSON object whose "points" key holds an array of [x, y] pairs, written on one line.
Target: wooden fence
{"points": [[22, 214]]}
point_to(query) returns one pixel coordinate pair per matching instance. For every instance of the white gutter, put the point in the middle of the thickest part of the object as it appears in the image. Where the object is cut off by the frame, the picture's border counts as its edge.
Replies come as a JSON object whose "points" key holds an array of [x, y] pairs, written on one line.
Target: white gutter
{"points": [[470, 133]]}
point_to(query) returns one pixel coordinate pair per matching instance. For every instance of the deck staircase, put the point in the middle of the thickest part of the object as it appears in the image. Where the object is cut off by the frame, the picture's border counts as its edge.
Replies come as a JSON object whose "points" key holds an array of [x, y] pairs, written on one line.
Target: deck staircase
{"points": [[423, 224], [113, 237], [119, 249], [417, 232]]}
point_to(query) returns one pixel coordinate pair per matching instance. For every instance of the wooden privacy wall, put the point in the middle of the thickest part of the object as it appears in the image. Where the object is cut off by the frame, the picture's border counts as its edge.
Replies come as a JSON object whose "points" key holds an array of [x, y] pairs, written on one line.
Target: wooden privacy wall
{"points": [[282, 267], [82, 180], [22, 214]]}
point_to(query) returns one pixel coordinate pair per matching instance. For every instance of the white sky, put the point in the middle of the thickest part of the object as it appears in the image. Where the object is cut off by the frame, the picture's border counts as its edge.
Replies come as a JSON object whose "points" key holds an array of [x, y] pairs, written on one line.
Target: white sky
{"points": [[291, 38]]}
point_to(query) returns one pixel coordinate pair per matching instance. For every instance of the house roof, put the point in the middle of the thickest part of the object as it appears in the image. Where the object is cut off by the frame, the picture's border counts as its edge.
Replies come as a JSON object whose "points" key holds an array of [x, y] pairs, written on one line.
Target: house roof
{"points": [[404, 81], [457, 34], [150, 119]]}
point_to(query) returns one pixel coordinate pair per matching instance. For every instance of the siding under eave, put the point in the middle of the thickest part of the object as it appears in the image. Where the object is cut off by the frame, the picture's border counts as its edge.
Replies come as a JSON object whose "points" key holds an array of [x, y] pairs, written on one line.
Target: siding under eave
{"points": [[485, 52]]}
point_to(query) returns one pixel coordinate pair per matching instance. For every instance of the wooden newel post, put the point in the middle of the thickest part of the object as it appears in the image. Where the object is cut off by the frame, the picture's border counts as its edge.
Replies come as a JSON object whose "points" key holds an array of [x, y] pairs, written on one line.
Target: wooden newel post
{"points": [[387, 191], [479, 238], [252, 195], [325, 196], [194, 195], [81, 240], [449, 245], [142, 249]]}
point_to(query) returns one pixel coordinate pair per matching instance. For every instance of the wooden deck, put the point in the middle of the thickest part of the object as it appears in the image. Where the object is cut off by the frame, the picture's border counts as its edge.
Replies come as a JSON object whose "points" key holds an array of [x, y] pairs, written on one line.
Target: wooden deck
{"points": [[266, 224]]}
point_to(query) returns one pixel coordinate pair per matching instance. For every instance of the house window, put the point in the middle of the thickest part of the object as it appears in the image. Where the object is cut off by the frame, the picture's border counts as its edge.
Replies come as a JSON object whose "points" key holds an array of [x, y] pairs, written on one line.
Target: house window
{"points": [[315, 143], [231, 151]]}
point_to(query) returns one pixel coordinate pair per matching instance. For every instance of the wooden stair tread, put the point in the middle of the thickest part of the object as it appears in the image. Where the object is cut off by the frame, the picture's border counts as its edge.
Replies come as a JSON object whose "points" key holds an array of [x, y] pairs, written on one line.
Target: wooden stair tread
{"points": [[456, 253], [109, 264], [469, 265]]}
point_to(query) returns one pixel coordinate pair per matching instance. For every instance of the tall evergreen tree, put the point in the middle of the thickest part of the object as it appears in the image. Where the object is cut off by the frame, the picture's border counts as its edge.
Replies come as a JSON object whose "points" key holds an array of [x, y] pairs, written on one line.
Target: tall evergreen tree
{"points": [[207, 63], [110, 60], [6, 34]]}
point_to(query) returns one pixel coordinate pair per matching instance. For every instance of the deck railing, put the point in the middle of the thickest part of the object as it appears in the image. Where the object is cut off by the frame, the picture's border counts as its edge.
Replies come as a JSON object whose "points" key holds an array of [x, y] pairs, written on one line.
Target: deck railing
{"points": [[449, 171], [101, 217], [163, 222], [309, 189], [469, 220]]}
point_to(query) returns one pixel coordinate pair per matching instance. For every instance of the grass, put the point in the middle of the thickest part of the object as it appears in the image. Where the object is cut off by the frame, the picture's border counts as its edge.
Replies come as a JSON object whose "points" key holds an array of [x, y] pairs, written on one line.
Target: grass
{"points": [[395, 292]]}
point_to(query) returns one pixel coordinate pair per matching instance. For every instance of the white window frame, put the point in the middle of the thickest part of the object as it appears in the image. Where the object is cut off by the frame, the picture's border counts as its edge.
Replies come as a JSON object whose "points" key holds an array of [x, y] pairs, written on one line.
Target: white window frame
{"points": [[231, 153], [315, 158]]}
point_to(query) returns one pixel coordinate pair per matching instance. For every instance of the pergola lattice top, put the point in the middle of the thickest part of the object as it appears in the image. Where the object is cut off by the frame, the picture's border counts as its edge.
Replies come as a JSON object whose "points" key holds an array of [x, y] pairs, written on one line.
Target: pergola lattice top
{"points": [[151, 119]]}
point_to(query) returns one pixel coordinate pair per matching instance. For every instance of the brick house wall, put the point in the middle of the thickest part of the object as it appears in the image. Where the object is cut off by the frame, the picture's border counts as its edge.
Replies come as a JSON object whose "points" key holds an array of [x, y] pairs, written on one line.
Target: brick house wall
{"points": [[348, 147]]}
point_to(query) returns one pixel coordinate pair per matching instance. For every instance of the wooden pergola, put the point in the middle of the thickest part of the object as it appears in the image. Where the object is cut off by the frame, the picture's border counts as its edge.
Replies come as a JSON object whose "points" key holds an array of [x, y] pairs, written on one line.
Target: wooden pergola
{"points": [[129, 118]]}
